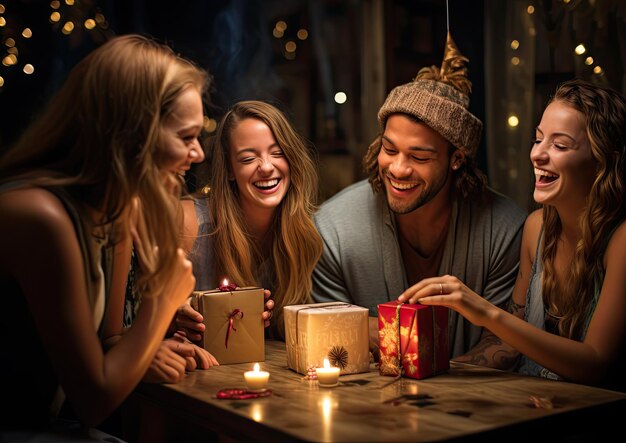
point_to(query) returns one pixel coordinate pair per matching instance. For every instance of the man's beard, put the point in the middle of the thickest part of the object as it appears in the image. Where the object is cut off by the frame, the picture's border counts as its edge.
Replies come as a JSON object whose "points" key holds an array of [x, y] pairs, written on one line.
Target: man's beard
{"points": [[425, 196]]}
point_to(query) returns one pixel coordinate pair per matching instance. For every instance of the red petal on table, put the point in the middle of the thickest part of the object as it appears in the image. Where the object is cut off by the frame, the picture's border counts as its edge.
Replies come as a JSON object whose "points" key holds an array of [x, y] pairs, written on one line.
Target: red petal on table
{"points": [[241, 394]]}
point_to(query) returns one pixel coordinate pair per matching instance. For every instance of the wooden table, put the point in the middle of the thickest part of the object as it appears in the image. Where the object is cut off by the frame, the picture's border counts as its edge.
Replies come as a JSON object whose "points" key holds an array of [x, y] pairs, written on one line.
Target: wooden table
{"points": [[469, 402]]}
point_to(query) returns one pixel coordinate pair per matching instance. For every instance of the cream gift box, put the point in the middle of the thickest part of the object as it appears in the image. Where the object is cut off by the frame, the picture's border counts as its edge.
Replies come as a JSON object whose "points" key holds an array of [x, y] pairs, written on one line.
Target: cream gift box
{"points": [[233, 320], [336, 331]]}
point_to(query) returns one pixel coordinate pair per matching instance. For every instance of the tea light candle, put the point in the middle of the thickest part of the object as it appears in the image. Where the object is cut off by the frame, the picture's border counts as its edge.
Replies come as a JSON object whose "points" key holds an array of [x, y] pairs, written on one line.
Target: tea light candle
{"points": [[327, 376], [256, 380]]}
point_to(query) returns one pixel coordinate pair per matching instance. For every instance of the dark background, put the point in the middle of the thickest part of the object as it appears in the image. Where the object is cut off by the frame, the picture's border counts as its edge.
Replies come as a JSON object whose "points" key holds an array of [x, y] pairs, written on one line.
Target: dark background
{"points": [[234, 41]]}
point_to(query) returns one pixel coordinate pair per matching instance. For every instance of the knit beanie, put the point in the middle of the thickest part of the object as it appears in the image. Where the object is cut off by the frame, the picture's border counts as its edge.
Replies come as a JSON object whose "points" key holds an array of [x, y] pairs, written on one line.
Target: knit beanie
{"points": [[439, 97]]}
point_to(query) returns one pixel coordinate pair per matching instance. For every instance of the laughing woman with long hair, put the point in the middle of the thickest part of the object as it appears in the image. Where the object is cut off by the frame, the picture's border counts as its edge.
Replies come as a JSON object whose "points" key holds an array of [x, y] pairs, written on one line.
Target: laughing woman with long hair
{"points": [[255, 226], [571, 288], [68, 191]]}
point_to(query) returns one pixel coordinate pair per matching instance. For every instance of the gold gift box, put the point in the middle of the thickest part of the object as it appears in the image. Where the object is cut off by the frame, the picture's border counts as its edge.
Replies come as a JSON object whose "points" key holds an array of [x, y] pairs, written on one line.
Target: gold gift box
{"points": [[336, 331], [234, 331]]}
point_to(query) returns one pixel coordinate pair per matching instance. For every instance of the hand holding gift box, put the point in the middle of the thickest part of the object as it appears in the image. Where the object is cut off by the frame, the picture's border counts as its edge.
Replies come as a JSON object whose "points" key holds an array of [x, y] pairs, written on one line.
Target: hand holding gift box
{"points": [[413, 339], [334, 331], [233, 320]]}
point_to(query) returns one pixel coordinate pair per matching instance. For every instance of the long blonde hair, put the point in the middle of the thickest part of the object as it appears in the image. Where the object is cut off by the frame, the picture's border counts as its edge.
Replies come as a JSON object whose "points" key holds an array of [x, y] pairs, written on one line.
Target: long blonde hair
{"points": [[99, 139], [297, 245], [604, 113]]}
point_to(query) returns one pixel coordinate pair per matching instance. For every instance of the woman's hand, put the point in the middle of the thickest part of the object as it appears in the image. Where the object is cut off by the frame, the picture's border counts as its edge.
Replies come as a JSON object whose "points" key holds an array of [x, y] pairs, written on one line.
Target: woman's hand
{"points": [[269, 307], [202, 359], [452, 293], [188, 321], [169, 363], [175, 356]]}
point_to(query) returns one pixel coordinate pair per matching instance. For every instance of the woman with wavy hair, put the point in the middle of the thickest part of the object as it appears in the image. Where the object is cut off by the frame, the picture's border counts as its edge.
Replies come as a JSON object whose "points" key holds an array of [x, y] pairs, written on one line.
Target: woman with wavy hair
{"points": [[256, 226], [68, 192], [571, 288]]}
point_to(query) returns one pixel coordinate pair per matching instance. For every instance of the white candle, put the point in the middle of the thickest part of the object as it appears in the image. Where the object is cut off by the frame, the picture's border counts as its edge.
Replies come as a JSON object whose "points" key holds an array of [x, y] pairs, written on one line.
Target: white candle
{"points": [[256, 380], [327, 376]]}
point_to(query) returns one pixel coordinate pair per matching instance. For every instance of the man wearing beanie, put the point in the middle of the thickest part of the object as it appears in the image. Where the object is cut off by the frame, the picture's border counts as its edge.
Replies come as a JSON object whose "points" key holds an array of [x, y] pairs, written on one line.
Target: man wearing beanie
{"points": [[425, 209]]}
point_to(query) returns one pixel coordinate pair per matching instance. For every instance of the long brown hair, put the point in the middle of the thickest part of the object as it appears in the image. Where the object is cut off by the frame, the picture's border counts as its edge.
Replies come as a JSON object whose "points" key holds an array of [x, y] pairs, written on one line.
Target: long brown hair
{"points": [[296, 245], [604, 114], [99, 139]]}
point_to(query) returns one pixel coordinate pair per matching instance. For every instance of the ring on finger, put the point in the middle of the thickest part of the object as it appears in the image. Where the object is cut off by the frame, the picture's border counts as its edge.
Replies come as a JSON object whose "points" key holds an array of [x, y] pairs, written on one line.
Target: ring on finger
{"points": [[440, 288]]}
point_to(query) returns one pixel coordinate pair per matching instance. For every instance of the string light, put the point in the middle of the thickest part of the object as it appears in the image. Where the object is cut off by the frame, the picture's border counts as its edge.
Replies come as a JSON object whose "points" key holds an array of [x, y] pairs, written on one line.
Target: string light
{"points": [[341, 98], [209, 124], [277, 33], [514, 45], [589, 61], [597, 70], [281, 26], [9, 60], [303, 34], [290, 46], [580, 49], [515, 61], [69, 13], [513, 121], [68, 27], [530, 9]]}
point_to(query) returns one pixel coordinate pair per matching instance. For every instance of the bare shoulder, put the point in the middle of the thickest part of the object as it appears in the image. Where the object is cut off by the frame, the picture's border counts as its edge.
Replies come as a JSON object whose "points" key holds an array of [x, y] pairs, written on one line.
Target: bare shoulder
{"points": [[33, 206], [32, 218]]}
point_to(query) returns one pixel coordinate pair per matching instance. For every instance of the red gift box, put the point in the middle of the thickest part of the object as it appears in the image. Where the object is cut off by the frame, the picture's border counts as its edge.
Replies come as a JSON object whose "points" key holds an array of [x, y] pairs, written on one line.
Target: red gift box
{"points": [[413, 339]]}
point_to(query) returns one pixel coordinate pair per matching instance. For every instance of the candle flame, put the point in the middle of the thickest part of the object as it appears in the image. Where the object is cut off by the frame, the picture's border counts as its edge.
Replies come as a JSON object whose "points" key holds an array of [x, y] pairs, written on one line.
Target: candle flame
{"points": [[326, 364], [256, 367], [225, 282]]}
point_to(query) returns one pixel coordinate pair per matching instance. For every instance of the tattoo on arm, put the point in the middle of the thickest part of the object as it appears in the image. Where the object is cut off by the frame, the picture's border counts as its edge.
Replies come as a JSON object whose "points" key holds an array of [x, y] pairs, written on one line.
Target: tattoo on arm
{"points": [[515, 308], [491, 352]]}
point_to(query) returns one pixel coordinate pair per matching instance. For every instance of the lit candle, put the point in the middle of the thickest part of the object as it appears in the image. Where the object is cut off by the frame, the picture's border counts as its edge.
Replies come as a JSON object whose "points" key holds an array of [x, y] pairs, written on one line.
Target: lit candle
{"points": [[327, 376], [256, 380]]}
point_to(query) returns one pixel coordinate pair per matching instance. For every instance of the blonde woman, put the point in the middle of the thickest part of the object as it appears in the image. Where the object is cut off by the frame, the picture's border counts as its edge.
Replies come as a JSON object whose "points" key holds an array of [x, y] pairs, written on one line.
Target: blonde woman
{"points": [[571, 288], [255, 227], [67, 192]]}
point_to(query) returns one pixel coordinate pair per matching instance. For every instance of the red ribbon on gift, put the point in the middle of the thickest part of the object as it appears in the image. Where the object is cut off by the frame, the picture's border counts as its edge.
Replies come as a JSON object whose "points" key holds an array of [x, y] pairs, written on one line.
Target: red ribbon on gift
{"points": [[227, 288], [402, 353], [231, 318]]}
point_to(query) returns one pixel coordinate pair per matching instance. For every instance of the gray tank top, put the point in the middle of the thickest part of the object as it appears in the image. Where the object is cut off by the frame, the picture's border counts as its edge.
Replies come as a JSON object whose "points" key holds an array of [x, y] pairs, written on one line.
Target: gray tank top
{"points": [[535, 313]]}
